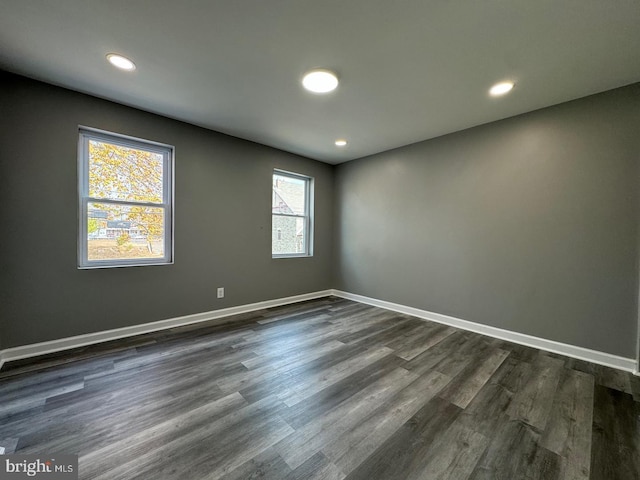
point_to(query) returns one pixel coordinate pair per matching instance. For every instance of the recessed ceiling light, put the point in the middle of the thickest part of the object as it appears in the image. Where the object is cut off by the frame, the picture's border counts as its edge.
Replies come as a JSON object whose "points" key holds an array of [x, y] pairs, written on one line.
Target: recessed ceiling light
{"points": [[501, 88], [320, 81], [121, 62], [341, 143]]}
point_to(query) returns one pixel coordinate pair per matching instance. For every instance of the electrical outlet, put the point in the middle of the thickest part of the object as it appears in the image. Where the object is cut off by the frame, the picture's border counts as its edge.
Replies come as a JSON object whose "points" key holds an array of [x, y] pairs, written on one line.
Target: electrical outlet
{"points": [[220, 292]]}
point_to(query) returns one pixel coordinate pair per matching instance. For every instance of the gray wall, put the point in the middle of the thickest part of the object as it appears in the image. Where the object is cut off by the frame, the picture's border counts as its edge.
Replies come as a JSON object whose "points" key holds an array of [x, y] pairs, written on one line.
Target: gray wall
{"points": [[222, 221], [528, 224]]}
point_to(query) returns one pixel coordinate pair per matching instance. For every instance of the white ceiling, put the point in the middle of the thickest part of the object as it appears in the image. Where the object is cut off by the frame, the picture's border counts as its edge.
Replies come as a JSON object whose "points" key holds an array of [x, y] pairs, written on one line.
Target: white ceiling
{"points": [[409, 69]]}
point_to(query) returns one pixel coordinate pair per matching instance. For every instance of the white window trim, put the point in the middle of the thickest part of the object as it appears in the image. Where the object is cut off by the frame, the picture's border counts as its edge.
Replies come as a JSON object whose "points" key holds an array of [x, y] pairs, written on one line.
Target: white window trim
{"points": [[308, 214], [85, 135]]}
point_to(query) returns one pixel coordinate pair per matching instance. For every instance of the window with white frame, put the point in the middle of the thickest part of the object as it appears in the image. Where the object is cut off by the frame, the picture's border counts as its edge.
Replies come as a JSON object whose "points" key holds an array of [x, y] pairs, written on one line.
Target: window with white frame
{"points": [[126, 201], [291, 215]]}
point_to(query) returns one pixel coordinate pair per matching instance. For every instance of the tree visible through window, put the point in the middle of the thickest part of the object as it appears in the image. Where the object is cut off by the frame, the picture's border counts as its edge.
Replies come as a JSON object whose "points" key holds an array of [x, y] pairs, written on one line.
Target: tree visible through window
{"points": [[125, 201], [291, 215]]}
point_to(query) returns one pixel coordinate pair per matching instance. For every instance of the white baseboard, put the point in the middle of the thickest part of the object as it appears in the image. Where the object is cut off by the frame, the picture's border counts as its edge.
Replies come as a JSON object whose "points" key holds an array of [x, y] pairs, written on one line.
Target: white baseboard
{"points": [[35, 349], [594, 356]]}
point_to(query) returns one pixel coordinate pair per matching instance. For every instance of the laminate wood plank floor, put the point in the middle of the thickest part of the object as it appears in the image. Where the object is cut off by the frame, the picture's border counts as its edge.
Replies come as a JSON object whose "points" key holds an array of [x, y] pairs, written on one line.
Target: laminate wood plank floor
{"points": [[325, 389]]}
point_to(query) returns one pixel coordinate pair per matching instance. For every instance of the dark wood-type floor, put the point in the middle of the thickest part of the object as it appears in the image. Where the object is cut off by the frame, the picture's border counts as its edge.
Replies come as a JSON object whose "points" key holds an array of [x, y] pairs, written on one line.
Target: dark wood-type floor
{"points": [[325, 389]]}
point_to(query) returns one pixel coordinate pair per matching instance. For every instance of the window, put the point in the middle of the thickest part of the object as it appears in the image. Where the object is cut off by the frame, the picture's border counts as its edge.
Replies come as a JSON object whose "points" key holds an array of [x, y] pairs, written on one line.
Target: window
{"points": [[291, 215], [126, 210]]}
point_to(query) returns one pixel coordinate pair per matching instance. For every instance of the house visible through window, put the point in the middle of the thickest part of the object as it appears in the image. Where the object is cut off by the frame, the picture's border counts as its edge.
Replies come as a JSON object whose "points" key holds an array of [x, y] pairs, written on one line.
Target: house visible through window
{"points": [[291, 222], [126, 211]]}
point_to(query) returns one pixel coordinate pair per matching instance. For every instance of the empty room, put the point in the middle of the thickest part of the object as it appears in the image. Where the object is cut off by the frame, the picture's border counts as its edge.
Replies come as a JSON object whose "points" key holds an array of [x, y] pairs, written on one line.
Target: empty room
{"points": [[298, 240]]}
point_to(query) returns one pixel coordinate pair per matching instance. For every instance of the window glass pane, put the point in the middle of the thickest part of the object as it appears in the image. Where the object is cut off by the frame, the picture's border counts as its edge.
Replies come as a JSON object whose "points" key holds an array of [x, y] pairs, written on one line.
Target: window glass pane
{"points": [[122, 173], [124, 232], [288, 195], [287, 235]]}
